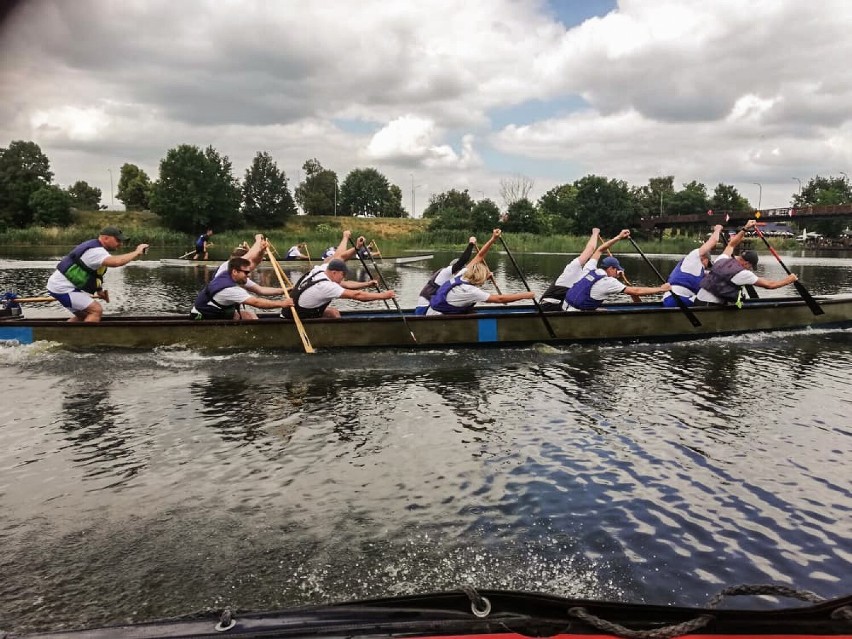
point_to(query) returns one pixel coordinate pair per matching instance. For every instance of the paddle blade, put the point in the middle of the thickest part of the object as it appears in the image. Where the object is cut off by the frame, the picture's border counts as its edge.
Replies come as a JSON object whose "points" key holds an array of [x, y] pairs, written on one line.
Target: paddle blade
{"points": [[816, 309]]}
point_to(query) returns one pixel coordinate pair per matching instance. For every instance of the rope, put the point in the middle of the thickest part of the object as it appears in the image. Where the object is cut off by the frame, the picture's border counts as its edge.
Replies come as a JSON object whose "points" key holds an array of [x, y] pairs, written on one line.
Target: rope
{"points": [[479, 605], [766, 589]]}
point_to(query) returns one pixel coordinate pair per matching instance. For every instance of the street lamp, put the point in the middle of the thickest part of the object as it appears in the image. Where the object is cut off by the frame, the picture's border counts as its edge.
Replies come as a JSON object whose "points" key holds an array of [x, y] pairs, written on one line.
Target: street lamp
{"points": [[335, 195], [800, 184], [111, 197], [759, 194], [413, 211]]}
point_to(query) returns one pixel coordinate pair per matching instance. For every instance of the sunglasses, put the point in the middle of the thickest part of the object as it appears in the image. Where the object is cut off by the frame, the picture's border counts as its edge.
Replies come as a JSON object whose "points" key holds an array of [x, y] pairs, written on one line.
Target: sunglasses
{"points": [[246, 272]]}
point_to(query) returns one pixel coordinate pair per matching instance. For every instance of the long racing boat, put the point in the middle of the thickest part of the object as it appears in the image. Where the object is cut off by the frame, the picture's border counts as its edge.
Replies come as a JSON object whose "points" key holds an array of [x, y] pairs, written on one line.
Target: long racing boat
{"points": [[487, 326]]}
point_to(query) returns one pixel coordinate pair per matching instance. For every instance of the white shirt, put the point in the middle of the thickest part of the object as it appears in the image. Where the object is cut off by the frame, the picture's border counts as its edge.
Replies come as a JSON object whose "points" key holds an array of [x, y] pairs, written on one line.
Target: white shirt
{"points": [[571, 274], [603, 288], [224, 267], [464, 294], [294, 251], [322, 292], [93, 258], [444, 275], [744, 278]]}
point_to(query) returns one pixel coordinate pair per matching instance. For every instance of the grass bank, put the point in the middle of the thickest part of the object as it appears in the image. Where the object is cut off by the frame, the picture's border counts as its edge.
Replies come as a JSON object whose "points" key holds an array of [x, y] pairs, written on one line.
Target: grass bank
{"points": [[392, 235]]}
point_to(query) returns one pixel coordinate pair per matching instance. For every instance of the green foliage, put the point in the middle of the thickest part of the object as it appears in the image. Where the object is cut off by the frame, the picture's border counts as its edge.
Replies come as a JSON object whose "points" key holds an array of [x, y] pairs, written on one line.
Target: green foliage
{"points": [[825, 191], [318, 194], [368, 192], [655, 198], [134, 188], [51, 206], [727, 198], [84, 197], [24, 169], [605, 204], [485, 216], [691, 200], [267, 201], [524, 217], [557, 205], [449, 209], [196, 191]]}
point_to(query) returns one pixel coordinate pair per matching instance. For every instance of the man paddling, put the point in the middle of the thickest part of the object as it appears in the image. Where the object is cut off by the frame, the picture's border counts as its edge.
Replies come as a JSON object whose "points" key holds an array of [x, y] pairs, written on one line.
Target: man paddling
{"points": [[686, 276], [723, 284], [79, 275], [599, 282], [226, 293], [254, 255]]}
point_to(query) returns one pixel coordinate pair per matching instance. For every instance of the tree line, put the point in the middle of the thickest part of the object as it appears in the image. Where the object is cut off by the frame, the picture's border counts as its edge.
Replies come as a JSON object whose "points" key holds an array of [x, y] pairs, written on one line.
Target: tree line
{"points": [[197, 189]]}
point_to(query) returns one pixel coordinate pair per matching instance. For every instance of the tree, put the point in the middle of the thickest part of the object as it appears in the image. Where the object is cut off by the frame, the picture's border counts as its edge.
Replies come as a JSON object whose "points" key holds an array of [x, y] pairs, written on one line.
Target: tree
{"points": [[605, 204], [368, 192], [485, 216], [727, 198], [318, 193], [196, 190], [557, 205], [825, 191], [691, 200], [655, 198], [523, 217], [84, 197], [515, 189], [51, 206], [449, 210], [24, 169], [134, 188], [394, 206], [266, 196]]}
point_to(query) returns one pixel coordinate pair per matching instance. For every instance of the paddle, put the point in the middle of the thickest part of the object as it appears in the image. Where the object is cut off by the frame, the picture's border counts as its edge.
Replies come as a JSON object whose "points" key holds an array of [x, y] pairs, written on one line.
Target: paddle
{"points": [[385, 284], [816, 309], [752, 292], [187, 254], [686, 310], [306, 343], [524, 280], [366, 268], [32, 300]]}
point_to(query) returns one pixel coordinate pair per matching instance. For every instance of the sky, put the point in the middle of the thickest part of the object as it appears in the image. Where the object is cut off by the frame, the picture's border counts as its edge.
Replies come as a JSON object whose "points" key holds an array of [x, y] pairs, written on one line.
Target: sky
{"points": [[439, 94]]}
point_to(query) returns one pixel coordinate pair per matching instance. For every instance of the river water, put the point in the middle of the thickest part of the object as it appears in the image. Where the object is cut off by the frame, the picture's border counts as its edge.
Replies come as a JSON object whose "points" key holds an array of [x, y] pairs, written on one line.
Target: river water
{"points": [[142, 485]]}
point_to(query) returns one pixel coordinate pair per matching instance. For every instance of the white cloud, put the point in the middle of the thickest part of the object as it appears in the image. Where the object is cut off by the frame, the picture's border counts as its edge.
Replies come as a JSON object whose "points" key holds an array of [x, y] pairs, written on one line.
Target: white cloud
{"points": [[720, 91]]}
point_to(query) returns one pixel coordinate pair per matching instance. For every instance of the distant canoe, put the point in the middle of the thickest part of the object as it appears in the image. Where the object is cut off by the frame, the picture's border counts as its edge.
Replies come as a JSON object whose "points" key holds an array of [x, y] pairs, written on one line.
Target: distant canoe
{"points": [[488, 326], [381, 261]]}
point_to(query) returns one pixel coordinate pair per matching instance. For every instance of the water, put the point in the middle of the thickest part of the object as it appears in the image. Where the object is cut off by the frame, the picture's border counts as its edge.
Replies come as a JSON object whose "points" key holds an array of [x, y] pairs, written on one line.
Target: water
{"points": [[141, 485]]}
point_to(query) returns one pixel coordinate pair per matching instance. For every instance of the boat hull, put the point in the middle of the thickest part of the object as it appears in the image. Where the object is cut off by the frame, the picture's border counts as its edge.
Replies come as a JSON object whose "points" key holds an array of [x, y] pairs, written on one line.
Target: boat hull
{"points": [[489, 326]]}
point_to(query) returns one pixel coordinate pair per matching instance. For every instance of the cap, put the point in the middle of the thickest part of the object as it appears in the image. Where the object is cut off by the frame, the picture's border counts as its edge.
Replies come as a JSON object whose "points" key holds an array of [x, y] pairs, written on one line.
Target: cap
{"points": [[336, 265], [114, 232], [610, 261], [750, 257]]}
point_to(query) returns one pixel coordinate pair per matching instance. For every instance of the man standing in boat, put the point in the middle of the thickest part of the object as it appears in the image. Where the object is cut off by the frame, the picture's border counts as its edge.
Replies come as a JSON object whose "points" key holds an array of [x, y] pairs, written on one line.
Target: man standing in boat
{"points": [[226, 293], [599, 282], [202, 244], [79, 275], [730, 273], [686, 276], [323, 284]]}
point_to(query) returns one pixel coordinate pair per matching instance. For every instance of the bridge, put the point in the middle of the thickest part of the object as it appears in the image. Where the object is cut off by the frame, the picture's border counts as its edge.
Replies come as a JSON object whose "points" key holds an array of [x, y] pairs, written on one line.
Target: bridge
{"points": [[798, 215]]}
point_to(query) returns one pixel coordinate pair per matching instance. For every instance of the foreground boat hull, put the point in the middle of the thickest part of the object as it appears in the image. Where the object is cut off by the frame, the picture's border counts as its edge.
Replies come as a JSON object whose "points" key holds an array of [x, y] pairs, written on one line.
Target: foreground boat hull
{"points": [[497, 615], [511, 325]]}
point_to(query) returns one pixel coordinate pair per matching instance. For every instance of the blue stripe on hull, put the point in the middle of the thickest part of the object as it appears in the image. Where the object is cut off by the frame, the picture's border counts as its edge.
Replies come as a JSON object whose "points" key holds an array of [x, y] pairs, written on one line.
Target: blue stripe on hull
{"points": [[20, 334], [487, 330]]}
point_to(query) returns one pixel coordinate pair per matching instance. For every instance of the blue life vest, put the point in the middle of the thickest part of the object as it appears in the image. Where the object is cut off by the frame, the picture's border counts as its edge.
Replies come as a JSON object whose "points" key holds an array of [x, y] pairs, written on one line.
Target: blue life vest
{"points": [[718, 279], [679, 278], [199, 243], [439, 299], [580, 295], [80, 275], [205, 304]]}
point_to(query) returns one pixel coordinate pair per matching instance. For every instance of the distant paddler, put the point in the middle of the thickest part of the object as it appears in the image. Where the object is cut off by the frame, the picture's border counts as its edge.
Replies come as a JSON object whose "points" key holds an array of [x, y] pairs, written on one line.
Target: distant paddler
{"points": [[79, 275]]}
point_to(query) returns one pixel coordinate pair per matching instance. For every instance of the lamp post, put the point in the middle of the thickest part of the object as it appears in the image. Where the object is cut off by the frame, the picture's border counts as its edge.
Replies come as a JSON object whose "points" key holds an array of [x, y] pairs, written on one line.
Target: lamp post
{"points": [[111, 196], [413, 211], [800, 184], [759, 194], [335, 195]]}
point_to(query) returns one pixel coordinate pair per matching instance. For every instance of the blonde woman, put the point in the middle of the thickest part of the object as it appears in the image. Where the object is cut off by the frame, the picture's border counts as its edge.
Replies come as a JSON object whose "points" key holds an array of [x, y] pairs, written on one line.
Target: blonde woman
{"points": [[461, 294]]}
